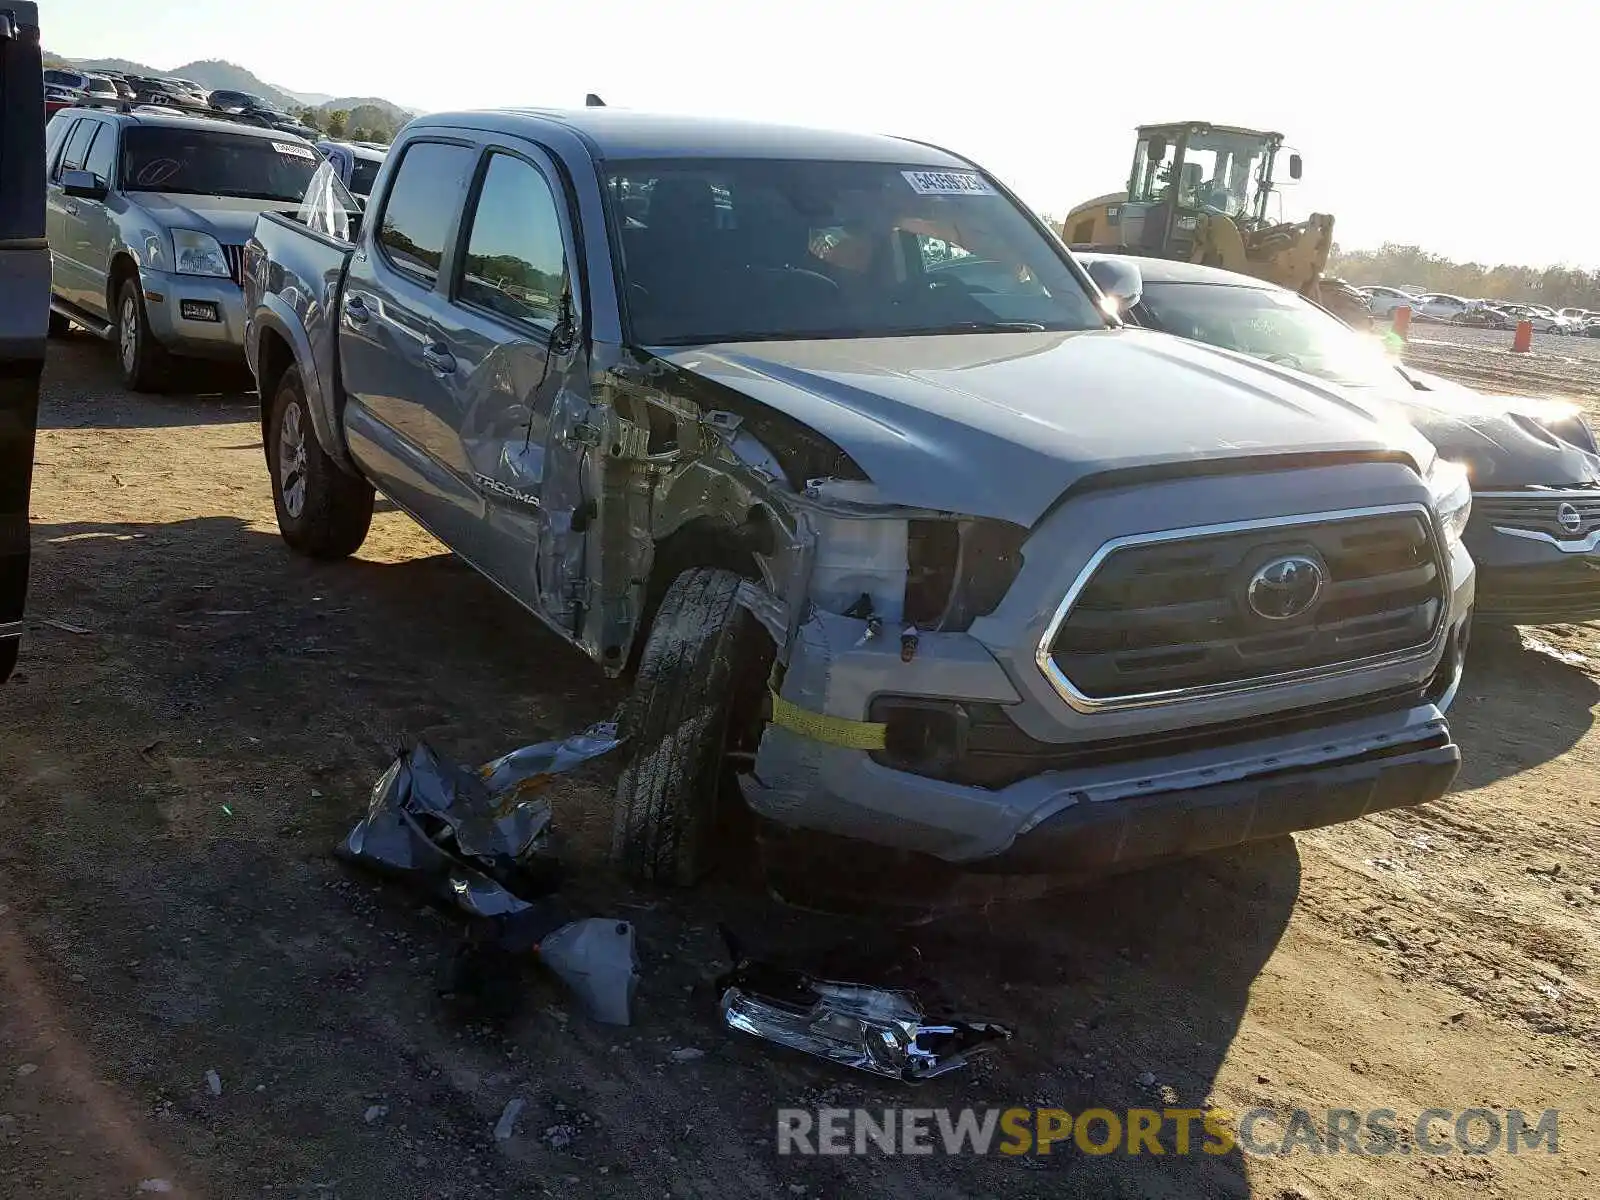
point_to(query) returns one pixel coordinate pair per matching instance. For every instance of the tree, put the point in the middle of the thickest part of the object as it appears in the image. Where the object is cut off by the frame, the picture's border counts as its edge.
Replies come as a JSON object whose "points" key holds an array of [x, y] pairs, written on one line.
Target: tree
{"points": [[311, 117], [336, 122]]}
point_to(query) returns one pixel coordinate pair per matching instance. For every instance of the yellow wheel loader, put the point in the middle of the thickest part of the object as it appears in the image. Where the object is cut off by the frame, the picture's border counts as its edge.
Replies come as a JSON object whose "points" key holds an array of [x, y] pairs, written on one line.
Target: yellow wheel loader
{"points": [[1205, 194]]}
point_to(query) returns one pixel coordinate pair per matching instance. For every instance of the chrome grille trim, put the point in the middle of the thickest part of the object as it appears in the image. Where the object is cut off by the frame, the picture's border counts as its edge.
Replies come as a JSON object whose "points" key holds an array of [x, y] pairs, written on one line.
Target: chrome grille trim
{"points": [[1080, 702], [1535, 513], [235, 257]]}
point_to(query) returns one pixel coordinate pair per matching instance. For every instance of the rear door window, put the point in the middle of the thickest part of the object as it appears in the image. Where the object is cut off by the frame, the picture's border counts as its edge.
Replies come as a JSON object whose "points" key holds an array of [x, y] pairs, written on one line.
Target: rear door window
{"points": [[102, 155], [422, 205], [77, 147]]}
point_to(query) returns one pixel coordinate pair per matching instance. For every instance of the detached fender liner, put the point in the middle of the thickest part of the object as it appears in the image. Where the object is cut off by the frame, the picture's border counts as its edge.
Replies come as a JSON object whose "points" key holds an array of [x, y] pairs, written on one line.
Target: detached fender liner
{"points": [[1095, 837]]}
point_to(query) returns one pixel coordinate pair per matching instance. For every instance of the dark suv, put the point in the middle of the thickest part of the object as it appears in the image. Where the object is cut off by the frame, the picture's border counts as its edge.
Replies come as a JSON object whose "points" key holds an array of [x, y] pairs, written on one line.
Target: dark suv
{"points": [[24, 301]]}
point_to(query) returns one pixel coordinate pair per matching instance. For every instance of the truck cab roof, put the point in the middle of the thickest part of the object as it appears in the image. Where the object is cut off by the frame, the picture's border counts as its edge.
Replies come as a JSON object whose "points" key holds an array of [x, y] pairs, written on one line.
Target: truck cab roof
{"points": [[613, 133]]}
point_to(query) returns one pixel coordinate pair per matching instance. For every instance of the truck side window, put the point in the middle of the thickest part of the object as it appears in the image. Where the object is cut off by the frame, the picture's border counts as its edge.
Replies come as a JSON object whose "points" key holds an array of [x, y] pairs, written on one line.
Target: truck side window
{"points": [[422, 202], [516, 263], [77, 147], [101, 154]]}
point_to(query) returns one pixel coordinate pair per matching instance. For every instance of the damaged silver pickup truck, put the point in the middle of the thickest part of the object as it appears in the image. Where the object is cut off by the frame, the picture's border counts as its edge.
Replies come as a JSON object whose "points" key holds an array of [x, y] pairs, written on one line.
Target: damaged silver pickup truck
{"points": [[828, 441]]}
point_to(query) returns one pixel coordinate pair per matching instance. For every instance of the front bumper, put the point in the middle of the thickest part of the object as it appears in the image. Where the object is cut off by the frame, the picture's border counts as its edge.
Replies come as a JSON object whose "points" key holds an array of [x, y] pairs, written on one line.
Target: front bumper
{"points": [[1043, 787], [223, 338], [1215, 790], [1528, 579]]}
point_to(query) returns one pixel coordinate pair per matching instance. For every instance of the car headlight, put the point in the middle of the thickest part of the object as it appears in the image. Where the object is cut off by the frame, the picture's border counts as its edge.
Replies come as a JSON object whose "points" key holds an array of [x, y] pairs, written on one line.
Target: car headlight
{"points": [[198, 253], [1451, 492]]}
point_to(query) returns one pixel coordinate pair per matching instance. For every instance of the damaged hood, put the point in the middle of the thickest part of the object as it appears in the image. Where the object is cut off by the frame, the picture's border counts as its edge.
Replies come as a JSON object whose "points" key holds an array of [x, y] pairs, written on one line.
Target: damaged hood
{"points": [[1503, 441], [1000, 424]]}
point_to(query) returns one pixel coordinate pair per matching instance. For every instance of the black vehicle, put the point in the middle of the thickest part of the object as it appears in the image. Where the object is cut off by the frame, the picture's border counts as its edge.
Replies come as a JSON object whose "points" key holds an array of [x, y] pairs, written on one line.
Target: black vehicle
{"points": [[24, 301], [1534, 529], [230, 101]]}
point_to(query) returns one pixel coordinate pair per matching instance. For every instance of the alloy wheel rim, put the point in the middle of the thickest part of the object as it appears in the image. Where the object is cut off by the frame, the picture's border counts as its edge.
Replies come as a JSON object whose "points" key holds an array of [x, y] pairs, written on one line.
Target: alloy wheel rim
{"points": [[128, 334], [292, 461]]}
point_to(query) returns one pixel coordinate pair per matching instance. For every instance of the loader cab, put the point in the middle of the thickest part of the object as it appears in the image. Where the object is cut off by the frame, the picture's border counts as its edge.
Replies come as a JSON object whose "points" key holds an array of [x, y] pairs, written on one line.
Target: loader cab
{"points": [[1185, 171]]}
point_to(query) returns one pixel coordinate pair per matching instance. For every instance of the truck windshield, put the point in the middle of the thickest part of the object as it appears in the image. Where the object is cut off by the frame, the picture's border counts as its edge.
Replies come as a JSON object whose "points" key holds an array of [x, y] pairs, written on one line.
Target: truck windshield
{"points": [[1277, 326], [747, 249], [204, 162]]}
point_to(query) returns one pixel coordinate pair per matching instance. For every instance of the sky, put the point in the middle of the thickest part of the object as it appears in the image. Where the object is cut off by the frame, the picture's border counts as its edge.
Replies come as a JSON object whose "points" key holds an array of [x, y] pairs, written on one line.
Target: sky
{"points": [[1462, 126]]}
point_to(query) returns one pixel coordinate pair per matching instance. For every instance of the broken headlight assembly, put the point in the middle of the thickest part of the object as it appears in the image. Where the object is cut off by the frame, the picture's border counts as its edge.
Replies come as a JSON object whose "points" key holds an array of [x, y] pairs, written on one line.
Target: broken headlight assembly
{"points": [[937, 573], [959, 570]]}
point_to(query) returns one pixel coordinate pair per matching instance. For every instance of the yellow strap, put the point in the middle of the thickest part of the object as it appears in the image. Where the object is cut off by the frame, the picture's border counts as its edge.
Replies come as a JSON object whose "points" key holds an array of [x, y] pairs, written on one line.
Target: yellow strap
{"points": [[835, 731]]}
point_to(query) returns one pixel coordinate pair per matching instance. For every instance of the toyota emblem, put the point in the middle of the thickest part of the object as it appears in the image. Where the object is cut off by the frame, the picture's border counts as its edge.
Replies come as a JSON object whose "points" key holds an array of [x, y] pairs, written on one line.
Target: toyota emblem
{"points": [[1569, 518], [1285, 587]]}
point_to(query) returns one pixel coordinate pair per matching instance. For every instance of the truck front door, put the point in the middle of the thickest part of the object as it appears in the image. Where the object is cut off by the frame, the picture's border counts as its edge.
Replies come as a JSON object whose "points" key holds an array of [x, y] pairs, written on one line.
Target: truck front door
{"points": [[512, 338]]}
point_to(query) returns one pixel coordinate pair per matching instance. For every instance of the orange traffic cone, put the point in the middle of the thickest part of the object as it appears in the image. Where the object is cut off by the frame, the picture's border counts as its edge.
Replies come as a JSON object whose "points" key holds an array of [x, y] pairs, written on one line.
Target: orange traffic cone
{"points": [[1522, 342], [1402, 320]]}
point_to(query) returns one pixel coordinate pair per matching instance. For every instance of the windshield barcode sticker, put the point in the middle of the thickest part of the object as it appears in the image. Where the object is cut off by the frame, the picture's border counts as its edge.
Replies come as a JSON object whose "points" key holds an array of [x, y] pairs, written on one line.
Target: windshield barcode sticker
{"points": [[948, 183], [290, 151]]}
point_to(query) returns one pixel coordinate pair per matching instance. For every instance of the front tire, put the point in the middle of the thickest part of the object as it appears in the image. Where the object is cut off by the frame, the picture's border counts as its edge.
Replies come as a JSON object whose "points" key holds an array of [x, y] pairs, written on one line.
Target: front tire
{"points": [[322, 511], [144, 361], [698, 691]]}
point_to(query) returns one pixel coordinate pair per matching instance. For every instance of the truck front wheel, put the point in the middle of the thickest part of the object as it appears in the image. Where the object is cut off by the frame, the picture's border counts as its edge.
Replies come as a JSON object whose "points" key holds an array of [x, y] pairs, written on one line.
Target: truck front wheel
{"points": [[322, 511], [696, 701]]}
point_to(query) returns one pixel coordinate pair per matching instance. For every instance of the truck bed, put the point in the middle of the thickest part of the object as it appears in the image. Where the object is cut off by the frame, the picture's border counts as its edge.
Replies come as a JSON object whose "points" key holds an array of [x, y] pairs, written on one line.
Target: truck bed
{"points": [[293, 280]]}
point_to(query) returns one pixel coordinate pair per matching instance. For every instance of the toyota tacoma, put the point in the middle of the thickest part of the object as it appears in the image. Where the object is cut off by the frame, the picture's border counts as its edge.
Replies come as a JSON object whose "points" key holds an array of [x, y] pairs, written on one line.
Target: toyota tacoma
{"points": [[834, 448]]}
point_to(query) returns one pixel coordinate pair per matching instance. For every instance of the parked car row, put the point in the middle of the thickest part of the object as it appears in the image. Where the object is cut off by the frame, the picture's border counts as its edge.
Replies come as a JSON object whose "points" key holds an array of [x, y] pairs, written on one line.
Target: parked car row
{"points": [[905, 534], [1489, 314], [65, 88]]}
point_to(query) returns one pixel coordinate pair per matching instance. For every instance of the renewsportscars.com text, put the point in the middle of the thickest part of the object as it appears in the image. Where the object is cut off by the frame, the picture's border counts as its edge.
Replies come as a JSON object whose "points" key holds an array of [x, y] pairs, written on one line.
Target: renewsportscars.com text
{"points": [[1168, 1131]]}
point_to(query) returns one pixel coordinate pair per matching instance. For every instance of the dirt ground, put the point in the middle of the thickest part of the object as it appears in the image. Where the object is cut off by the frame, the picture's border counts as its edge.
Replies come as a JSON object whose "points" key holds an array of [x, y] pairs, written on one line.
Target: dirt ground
{"points": [[1557, 365], [199, 716]]}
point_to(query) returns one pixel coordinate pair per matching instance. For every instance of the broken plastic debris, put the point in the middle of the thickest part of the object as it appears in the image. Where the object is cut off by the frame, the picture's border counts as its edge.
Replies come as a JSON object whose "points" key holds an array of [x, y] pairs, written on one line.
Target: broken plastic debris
{"points": [[596, 958], [507, 1124], [872, 1029], [64, 626], [476, 838], [214, 1083]]}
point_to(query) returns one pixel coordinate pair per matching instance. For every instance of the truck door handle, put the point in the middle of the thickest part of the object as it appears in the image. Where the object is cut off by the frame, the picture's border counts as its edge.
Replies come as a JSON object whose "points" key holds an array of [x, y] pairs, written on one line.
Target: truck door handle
{"points": [[440, 359], [355, 310], [72, 210]]}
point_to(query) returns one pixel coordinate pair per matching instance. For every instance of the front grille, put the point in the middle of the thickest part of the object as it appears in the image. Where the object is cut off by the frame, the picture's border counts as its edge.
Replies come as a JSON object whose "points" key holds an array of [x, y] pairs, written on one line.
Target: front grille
{"points": [[1541, 512], [1164, 616], [235, 257]]}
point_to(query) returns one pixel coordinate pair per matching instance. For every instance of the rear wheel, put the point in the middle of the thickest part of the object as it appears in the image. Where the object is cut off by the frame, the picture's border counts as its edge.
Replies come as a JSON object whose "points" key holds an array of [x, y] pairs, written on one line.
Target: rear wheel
{"points": [[696, 701], [144, 361], [322, 511]]}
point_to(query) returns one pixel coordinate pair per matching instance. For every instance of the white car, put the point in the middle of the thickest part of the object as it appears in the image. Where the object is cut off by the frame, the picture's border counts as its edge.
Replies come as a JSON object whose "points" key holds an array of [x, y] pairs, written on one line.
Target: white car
{"points": [[1382, 301], [1542, 320], [1439, 306]]}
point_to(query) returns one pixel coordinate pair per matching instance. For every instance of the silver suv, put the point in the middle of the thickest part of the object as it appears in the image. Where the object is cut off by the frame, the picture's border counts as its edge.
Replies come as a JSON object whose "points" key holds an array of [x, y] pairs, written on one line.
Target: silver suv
{"points": [[147, 216]]}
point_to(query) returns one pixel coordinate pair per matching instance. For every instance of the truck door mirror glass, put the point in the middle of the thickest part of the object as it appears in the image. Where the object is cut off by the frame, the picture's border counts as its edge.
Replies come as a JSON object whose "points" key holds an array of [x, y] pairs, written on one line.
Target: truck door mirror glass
{"points": [[1158, 149], [1120, 280], [1295, 166], [84, 184]]}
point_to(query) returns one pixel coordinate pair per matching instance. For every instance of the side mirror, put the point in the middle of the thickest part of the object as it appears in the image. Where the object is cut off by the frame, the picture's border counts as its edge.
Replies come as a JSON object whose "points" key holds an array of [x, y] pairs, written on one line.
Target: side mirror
{"points": [[83, 184], [1295, 166], [1119, 279], [1158, 149]]}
